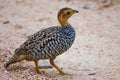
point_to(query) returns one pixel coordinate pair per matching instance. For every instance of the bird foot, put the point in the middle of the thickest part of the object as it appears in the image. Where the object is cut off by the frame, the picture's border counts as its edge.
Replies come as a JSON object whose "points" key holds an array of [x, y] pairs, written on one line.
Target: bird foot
{"points": [[38, 72]]}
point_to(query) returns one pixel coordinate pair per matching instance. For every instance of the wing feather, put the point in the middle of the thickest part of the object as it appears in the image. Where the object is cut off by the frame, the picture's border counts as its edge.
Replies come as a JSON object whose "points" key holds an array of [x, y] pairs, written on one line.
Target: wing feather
{"points": [[38, 41]]}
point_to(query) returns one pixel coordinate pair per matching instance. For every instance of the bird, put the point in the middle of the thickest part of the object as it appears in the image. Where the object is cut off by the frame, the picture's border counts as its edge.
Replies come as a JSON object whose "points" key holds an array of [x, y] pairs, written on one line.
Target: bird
{"points": [[47, 43]]}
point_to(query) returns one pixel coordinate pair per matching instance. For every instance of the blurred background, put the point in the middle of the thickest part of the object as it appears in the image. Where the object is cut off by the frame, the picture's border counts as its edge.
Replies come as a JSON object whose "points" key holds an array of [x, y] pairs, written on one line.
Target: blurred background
{"points": [[94, 54]]}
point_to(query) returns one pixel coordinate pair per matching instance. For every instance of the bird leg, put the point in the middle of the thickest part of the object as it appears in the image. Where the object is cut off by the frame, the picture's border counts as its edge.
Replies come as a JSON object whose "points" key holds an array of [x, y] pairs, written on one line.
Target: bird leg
{"points": [[37, 67], [54, 65]]}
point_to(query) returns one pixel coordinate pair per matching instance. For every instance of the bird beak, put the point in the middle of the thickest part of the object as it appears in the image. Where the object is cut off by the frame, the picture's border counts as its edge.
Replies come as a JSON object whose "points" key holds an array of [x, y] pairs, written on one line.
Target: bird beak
{"points": [[75, 11]]}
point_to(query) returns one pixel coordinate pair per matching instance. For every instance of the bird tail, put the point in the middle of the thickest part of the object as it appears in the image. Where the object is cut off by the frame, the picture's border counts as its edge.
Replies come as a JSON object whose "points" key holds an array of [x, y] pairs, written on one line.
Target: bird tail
{"points": [[17, 57]]}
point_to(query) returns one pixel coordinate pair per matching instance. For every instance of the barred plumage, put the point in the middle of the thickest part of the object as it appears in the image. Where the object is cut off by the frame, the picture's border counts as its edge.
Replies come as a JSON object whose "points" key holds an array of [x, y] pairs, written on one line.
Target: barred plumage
{"points": [[47, 43]]}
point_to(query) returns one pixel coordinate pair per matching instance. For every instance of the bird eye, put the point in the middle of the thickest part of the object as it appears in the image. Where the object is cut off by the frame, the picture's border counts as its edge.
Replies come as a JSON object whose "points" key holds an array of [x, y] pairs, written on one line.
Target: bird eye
{"points": [[68, 13]]}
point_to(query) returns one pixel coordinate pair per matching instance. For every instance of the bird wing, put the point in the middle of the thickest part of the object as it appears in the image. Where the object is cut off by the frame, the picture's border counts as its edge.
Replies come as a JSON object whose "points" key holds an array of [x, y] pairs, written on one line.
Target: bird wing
{"points": [[39, 40], [45, 33]]}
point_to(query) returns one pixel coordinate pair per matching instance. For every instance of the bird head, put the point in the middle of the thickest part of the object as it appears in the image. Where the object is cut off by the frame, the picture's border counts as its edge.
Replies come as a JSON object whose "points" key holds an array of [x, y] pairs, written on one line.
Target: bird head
{"points": [[64, 14]]}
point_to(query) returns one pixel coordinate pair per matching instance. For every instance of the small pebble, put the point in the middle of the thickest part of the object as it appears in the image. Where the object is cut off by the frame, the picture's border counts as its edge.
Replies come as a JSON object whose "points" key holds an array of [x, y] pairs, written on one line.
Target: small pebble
{"points": [[6, 22], [91, 73], [85, 6]]}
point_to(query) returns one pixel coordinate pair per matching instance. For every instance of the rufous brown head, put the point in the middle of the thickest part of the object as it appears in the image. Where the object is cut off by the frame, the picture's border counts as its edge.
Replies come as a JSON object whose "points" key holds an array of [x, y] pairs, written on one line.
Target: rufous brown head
{"points": [[64, 14]]}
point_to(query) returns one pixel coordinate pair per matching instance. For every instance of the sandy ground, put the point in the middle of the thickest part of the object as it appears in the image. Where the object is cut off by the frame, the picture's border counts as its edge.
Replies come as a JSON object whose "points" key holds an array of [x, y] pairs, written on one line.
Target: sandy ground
{"points": [[95, 54]]}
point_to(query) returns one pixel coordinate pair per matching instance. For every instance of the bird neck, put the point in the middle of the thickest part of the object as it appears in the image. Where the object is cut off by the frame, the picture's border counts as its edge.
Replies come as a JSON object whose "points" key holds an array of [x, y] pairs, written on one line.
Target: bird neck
{"points": [[63, 22]]}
